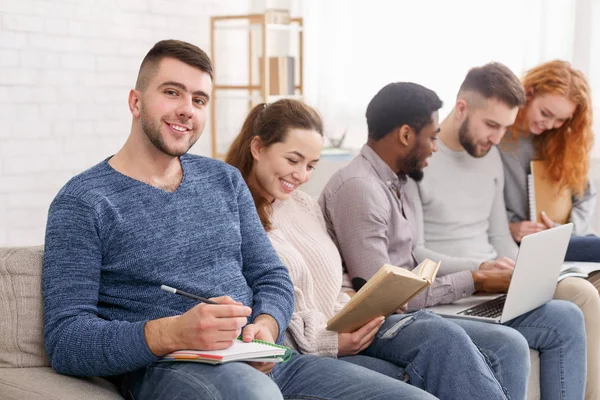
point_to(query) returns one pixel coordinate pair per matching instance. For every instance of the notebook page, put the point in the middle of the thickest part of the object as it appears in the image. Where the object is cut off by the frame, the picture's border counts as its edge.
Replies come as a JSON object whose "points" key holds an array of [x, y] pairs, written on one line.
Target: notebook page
{"points": [[531, 197], [239, 350]]}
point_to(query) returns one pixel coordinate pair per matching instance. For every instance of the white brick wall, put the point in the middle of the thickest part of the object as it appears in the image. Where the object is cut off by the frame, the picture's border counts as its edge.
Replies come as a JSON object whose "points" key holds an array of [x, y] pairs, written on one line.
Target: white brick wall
{"points": [[66, 67]]}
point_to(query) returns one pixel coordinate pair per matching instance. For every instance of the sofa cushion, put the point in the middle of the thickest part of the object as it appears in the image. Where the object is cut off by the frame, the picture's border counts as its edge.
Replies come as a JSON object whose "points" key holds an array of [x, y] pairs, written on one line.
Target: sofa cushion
{"points": [[46, 384], [533, 385], [21, 331]]}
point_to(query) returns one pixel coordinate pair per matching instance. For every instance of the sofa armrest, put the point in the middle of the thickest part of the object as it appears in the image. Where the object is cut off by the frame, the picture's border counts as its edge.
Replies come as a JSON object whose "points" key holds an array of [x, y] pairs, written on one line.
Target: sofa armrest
{"points": [[43, 383]]}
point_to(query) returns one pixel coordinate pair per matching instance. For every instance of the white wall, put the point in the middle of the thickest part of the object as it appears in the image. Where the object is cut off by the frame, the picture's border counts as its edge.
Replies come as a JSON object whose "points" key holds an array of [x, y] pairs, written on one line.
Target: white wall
{"points": [[66, 67], [353, 48]]}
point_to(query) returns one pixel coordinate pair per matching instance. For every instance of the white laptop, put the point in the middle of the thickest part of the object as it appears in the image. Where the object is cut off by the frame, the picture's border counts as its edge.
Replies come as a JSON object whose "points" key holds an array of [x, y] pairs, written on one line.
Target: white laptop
{"points": [[537, 267]]}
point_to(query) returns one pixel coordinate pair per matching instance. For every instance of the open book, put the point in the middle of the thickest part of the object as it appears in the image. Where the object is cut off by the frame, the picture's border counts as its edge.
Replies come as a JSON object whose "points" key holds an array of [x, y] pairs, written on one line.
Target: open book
{"points": [[256, 350], [390, 288], [578, 269], [545, 195]]}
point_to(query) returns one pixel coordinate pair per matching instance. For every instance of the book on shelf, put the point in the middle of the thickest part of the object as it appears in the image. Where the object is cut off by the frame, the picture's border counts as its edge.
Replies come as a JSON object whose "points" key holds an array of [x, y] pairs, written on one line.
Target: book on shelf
{"points": [[277, 16], [390, 288], [256, 351], [578, 269], [282, 72], [546, 195]]}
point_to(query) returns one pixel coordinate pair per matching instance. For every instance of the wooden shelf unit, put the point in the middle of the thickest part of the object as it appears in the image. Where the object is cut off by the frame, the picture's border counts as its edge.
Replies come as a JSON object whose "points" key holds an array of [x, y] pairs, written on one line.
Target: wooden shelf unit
{"points": [[256, 25]]}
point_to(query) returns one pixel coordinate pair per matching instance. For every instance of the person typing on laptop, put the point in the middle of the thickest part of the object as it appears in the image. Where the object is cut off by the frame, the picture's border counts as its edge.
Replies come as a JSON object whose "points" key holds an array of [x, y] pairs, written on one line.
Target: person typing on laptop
{"points": [[370, 219], [459, 204]]}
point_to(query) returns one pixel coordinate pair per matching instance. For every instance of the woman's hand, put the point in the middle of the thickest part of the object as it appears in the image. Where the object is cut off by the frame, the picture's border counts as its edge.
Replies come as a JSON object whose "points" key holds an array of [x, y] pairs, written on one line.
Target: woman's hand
{"points": [[547, 221], [353, 343], [519, 230]]}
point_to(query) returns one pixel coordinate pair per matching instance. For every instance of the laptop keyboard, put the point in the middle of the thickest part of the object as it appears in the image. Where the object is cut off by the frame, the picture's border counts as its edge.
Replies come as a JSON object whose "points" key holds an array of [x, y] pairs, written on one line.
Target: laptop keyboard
{"points": [[489, 309]]}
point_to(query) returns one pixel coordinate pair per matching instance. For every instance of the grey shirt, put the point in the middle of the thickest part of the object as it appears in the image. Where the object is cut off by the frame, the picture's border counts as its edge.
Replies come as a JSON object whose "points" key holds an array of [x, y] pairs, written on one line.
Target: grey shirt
{"points": [[372, 223], [459, 209], [516, 157]]}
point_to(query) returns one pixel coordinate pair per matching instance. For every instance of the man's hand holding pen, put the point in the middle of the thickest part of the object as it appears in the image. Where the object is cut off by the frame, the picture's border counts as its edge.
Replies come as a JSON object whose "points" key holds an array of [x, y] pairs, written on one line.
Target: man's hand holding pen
{"points": [[211, 325], [203, 327]]}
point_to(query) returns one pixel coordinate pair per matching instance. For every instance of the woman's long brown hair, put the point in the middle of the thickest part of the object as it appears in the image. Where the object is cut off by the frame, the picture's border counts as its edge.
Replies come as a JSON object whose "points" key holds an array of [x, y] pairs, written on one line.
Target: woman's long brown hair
{"points": [[270, 122], [565, 149]]}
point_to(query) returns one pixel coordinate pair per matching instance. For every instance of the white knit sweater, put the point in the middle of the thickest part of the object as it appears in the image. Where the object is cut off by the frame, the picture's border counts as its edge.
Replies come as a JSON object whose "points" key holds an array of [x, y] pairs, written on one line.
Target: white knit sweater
{"points": [[301, 240]]}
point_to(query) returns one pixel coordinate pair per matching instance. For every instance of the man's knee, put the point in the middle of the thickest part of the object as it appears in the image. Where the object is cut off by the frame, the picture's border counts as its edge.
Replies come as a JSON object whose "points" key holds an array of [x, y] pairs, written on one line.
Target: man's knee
{"points": [[192, 380], [564, 316], [268, 391], [440, 331], [513, 344]]}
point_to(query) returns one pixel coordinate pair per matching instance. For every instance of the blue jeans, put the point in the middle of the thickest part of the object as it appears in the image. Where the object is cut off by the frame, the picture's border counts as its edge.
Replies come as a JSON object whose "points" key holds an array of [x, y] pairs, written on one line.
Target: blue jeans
{"points": [[303, 377], [437, 356], [583, 248], [556, 330]]}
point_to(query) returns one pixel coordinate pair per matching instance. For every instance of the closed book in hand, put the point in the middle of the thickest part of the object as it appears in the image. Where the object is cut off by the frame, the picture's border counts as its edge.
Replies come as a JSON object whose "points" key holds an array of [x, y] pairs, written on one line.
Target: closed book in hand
{"points": [[389, 289], [545, 194], [257, 351]]}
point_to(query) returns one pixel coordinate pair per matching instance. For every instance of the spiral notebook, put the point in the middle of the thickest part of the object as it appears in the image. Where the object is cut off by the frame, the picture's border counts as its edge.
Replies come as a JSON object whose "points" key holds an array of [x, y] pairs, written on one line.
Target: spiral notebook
{"points": [[257, 351], [545, 195]]}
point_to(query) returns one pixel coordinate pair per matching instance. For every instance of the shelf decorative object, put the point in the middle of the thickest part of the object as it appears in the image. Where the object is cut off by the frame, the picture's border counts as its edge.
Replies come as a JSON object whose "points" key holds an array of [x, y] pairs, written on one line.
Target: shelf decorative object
{"points": [[268, 79]]}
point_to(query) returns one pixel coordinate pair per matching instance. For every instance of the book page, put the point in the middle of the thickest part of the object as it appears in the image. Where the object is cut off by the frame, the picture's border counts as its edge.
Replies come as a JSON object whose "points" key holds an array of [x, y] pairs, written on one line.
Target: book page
{"points": [[427, 269], [580, 267], [531, 197], [238, 351]]}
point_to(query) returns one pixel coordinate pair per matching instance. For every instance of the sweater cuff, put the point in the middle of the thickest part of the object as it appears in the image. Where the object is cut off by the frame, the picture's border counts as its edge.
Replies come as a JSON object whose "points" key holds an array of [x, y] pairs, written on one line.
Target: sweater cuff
{"points": [[279, 317], [139, 345], [329, 344]]}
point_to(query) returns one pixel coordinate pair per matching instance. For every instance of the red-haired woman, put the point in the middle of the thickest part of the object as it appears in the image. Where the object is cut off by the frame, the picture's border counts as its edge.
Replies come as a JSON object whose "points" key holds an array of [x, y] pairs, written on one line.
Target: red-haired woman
{"points": [[555, 127]]}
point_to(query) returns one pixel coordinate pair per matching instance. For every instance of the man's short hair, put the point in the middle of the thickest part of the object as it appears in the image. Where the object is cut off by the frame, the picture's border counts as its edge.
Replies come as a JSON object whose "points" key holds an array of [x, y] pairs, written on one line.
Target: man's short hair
{"points": [[398, 104], [177, 49], [497, 81]]}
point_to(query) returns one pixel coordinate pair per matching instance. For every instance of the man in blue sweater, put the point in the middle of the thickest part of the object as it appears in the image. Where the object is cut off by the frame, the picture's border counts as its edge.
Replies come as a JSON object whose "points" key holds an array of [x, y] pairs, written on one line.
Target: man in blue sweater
{"points": [[153, 215]]}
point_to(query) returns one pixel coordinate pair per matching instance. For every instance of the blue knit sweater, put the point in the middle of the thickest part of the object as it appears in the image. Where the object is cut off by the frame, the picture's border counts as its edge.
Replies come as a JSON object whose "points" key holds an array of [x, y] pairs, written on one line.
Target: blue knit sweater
{"points": [[111, 241]]}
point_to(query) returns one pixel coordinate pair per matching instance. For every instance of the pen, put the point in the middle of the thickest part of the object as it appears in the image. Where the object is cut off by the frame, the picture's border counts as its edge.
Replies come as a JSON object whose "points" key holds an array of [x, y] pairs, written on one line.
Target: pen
{"points": [[186, 294]]}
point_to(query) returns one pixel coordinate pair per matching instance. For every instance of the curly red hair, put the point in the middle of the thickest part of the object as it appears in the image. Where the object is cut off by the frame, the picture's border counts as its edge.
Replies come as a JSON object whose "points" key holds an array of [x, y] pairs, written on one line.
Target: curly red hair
{"points": [[566, 149]]}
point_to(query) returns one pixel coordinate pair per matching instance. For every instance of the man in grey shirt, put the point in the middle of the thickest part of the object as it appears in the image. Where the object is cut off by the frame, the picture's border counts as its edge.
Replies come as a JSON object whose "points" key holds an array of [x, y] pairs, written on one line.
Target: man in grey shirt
{"points": [[370, 219], [459, 204]]}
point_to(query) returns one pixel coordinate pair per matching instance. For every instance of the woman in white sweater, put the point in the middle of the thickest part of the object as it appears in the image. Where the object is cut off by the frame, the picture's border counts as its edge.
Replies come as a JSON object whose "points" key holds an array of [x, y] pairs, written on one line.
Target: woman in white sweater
{"points": [[276, 151]]}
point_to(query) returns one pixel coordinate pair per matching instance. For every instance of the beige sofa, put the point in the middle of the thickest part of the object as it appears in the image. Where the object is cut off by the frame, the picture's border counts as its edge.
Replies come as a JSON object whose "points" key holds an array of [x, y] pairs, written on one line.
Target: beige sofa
{"points": [[25, 372]]}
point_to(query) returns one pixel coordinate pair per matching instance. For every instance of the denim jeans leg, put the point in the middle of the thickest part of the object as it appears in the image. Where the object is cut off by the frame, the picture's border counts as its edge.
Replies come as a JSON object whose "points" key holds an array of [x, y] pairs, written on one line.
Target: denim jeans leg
{"points": [[437, 355], [507, 351], [323, 378], [584, 248], [187, 380], [375, 364], [557, 331]]}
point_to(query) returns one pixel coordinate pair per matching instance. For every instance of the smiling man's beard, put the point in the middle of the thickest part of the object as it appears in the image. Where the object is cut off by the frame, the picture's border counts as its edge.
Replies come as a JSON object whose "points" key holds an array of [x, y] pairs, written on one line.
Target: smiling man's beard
{"points": [[467, 142], [411, 167], [151, 129]]}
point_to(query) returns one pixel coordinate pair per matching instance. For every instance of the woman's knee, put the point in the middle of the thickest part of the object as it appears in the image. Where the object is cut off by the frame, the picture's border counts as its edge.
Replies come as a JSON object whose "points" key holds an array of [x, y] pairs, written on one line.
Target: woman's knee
{"points": [[580, 292]]}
